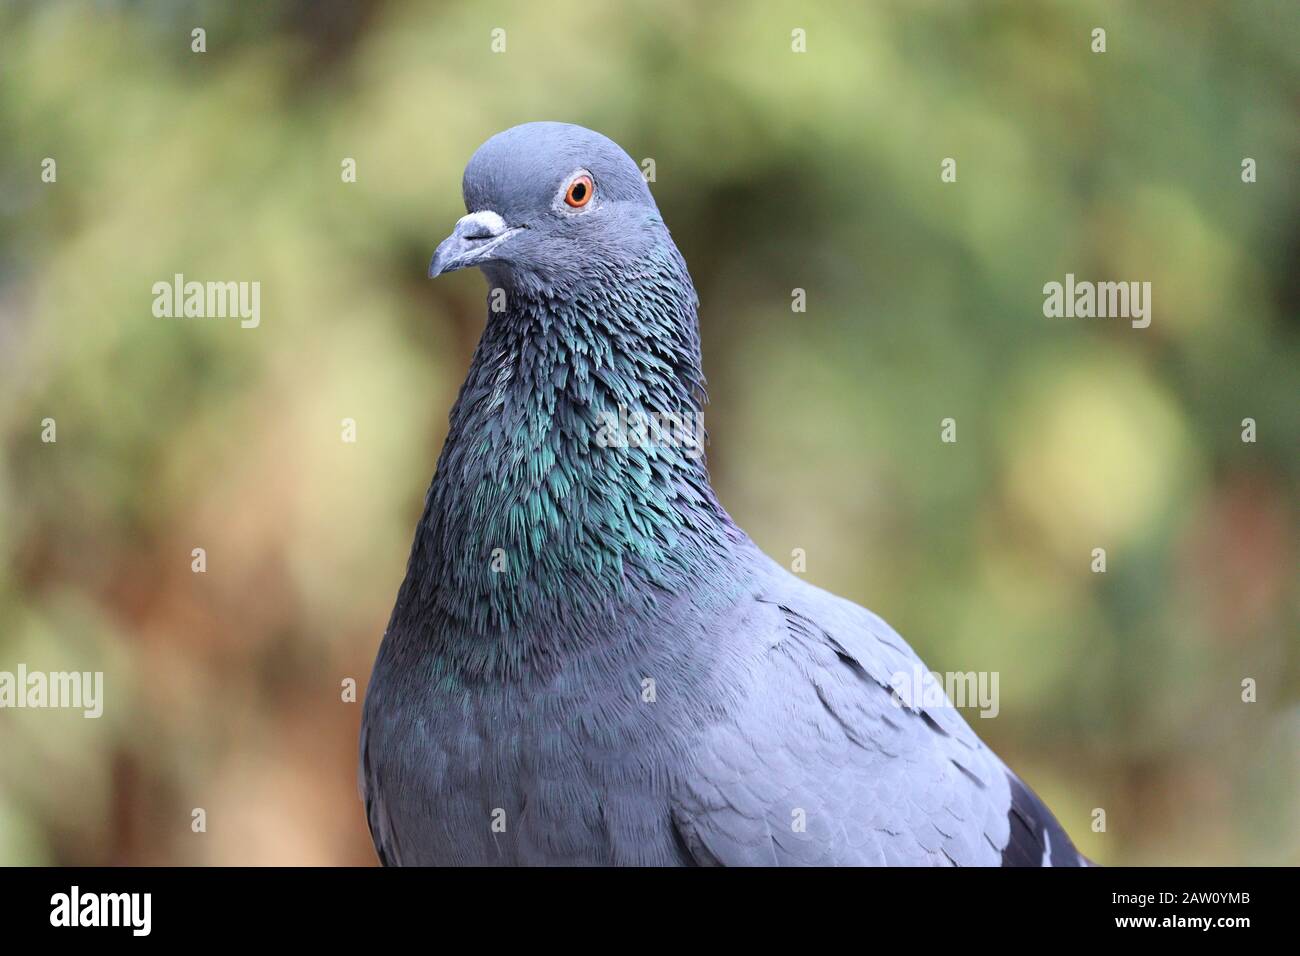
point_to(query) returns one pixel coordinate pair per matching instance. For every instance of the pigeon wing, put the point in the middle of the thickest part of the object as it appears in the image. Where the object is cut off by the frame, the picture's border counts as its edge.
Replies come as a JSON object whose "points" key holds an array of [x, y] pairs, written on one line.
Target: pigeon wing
{"points": [[821, 762]]}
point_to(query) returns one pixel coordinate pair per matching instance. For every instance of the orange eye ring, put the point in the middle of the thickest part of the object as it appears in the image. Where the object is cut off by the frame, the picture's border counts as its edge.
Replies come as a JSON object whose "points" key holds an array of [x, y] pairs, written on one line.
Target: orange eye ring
{"points": [[580, 191]]}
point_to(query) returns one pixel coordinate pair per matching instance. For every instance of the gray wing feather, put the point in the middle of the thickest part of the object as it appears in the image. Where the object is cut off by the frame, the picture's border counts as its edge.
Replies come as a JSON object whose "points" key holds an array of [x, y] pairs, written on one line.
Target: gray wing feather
{"points": [[820, 763]]}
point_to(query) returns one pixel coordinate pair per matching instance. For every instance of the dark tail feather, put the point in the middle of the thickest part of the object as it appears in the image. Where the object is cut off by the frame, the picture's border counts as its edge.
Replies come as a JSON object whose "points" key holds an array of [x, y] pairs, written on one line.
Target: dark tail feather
{"points": [[1036, 838]]}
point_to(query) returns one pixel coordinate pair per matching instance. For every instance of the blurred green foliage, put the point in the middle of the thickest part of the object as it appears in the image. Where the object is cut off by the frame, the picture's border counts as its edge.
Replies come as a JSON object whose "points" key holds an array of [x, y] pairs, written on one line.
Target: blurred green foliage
{"points": [[775, 171]]}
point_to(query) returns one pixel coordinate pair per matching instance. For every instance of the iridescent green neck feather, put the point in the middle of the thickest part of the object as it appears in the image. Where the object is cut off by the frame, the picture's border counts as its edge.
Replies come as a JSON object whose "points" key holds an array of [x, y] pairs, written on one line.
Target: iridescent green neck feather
{"points": [[542, 522]]}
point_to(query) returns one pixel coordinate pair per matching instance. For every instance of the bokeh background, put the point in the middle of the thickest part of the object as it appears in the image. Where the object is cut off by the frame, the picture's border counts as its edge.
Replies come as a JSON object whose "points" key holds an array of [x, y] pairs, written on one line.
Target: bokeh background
{"points": [[775, 171]]}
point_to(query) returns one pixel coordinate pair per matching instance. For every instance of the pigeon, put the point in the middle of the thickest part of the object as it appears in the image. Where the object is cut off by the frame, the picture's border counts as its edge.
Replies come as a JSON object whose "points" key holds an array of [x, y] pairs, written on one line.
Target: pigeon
{"points": [[588, 661]]}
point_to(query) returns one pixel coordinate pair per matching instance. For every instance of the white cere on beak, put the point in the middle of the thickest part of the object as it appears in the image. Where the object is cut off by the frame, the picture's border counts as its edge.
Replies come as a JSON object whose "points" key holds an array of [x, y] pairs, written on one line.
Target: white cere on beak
{"points": [[480, 225]]}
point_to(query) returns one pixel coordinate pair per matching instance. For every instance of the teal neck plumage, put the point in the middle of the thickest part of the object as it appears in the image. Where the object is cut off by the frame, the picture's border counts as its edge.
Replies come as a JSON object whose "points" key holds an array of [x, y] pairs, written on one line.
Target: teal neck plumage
{"points": [[541, 516]]}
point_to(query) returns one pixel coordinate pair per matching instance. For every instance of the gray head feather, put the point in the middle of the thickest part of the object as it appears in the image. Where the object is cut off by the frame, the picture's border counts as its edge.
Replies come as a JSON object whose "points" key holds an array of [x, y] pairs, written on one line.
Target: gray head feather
{"points": [[520, 230]]}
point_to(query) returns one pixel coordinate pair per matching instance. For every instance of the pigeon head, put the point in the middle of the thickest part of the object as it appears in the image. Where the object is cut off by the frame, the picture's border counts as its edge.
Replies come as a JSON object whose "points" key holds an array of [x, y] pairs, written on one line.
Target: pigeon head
{"points": [[549, 206]]}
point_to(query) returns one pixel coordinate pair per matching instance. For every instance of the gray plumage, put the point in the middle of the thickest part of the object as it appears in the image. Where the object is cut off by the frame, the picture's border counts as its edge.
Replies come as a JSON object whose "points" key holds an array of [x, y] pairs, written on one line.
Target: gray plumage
{"points": [[588, 661]]}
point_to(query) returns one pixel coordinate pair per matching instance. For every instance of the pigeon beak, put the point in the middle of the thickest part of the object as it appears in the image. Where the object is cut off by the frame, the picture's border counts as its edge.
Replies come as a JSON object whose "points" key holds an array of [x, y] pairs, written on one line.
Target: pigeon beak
{"points": [[470, 243]]}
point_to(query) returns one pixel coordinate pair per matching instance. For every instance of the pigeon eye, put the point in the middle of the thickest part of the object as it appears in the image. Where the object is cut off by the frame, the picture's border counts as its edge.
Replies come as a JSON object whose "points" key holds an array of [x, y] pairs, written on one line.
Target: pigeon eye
{"points": [[579, 192]]}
